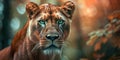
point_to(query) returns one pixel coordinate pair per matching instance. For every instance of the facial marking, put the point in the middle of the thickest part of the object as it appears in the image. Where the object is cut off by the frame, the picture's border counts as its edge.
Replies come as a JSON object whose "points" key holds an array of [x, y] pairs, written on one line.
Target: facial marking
{"points": [[44, 16], [59, 15], [29, 28]]}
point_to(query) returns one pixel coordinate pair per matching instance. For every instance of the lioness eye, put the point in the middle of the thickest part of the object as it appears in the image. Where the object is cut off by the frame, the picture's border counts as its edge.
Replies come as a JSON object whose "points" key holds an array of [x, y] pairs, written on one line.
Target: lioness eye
{"points": [[60, 22], [42, 23]]}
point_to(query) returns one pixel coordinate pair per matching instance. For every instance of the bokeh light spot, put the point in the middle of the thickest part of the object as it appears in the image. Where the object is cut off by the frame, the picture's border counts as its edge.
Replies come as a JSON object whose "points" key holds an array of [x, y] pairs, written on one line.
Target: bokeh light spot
{"points": [[1, 8], [15, 24], [21, 8], [90, 11]]}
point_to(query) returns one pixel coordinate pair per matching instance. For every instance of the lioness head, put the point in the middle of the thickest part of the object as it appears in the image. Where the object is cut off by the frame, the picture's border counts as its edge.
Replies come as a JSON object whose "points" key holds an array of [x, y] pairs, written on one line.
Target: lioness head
{"points": [[49, 25]]}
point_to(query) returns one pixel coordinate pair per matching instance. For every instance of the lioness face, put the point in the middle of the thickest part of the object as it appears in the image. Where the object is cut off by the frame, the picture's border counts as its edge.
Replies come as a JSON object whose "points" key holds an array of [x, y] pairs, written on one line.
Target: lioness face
{"points": [[49, 25]]}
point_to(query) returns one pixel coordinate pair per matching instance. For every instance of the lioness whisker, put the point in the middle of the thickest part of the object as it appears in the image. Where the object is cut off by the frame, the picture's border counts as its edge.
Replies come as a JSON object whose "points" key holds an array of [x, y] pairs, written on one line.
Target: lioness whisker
{"points": [[35, 47]]}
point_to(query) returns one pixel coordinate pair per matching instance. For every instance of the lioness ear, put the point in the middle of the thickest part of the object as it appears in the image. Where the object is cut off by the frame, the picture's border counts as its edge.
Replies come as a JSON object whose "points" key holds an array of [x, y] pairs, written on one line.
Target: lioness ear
{"points": [[32, 9], [68, 8]]}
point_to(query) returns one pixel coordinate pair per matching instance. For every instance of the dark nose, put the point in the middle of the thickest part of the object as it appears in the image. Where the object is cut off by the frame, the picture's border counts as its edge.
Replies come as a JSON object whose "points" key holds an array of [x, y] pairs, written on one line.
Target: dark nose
{"points": [[52, 36]]}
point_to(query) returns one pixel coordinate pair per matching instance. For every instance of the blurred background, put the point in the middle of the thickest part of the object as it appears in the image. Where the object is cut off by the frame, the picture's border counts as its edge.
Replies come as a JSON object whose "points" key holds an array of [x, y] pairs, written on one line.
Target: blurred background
{"points": [[89, 15]]}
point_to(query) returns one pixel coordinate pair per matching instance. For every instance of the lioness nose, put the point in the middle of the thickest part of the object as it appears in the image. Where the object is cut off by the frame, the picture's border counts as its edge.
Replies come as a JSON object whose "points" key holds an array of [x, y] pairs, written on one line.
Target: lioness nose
{"points": [[52, 36]]}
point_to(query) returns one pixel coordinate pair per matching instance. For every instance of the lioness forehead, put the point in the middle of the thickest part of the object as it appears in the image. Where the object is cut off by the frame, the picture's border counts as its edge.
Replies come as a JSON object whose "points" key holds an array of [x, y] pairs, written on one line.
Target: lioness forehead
{"points": [[48, 8], [48, 11]]}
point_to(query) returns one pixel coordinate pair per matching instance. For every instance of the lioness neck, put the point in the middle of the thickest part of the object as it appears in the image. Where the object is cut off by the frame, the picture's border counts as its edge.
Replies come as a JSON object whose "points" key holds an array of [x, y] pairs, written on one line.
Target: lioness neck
{"points": [[25, 53]]}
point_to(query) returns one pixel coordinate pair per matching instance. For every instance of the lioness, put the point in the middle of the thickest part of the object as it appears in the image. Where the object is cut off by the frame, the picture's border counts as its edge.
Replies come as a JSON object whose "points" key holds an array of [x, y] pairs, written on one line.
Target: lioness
{"points": [[43, 35]]}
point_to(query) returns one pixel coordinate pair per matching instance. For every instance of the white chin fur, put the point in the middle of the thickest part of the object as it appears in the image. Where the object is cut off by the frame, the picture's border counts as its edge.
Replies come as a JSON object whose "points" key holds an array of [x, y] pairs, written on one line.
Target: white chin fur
{"points": [[51, 51]]}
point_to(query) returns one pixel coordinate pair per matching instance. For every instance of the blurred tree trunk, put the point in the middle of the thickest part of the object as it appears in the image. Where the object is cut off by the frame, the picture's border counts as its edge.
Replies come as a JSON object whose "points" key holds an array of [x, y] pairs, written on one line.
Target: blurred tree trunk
{"points": [[115, 5], [6, 27]]}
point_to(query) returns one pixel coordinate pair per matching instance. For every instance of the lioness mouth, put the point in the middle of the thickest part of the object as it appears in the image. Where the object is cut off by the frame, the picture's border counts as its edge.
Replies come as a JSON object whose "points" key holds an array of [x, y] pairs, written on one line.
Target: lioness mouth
{"points": [[51, 50], [52, 47]]}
